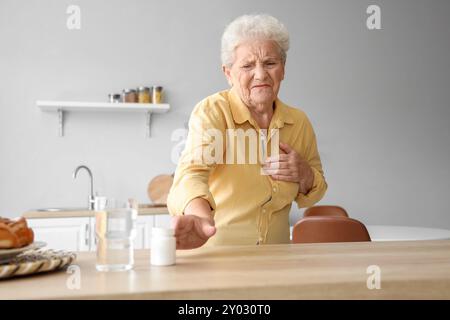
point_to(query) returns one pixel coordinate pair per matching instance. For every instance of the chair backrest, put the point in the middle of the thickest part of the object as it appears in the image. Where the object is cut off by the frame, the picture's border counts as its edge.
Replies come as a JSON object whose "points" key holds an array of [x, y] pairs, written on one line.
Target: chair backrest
{"points": [[334, 211], [329, 229]]}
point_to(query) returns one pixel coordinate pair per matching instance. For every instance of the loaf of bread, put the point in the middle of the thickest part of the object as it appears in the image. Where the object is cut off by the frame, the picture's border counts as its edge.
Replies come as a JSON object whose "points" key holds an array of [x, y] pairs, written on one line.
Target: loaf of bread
{"points": [[15, 233]]}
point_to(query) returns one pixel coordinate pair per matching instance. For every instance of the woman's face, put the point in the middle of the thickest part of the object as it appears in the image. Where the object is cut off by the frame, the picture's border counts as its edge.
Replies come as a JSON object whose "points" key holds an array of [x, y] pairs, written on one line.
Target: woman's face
{"points": [[257, 72]]}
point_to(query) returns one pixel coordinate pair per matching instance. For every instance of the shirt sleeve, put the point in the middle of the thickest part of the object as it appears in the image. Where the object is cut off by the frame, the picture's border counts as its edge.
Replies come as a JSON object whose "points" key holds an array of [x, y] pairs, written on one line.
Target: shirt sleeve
{"points": [[311, 155], [197, 161]]}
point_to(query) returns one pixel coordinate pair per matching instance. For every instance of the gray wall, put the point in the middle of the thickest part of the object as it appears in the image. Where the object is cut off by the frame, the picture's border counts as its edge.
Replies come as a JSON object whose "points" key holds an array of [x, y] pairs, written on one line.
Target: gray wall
{"points": [[379, 100]]}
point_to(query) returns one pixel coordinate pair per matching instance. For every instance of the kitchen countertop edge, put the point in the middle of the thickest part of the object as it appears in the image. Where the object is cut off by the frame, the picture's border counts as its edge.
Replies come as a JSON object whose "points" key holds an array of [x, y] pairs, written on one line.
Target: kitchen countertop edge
{"points": [[87, 213]]}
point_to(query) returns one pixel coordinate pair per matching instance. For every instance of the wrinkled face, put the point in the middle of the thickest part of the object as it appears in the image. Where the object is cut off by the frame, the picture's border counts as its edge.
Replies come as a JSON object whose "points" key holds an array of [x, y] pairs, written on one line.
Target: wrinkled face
{"points": [[257, 71]]}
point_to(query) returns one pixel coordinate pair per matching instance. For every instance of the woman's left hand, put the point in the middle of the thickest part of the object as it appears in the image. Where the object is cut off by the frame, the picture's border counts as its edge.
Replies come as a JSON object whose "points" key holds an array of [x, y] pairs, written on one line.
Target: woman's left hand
{"points": [[289, 166]]}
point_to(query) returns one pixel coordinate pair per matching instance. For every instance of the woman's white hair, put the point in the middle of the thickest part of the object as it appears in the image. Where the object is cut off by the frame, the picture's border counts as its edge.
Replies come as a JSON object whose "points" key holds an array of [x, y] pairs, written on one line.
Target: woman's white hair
{"points": [[256, 26]]}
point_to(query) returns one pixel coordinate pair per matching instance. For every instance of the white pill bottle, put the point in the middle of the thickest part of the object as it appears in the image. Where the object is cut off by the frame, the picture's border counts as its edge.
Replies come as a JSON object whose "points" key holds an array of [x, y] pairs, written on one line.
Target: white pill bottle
{"points": [[163, 248]]}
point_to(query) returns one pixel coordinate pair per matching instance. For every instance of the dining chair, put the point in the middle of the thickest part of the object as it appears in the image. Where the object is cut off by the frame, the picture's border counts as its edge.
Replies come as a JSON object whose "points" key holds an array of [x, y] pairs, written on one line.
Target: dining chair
{"points": [[329, 229], [323, 211]]}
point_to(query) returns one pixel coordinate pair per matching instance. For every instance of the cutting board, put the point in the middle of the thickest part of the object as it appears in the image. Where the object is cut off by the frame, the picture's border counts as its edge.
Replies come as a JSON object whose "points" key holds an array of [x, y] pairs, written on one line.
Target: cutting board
{"points": [[159, 187]]}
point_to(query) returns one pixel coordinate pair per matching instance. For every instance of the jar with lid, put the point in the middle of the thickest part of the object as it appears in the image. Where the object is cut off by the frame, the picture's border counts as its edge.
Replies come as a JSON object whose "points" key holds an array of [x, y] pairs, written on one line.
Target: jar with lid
{"points": [[129, 95], [163, 247], [114, 97], [157, 94], [143, 95]]}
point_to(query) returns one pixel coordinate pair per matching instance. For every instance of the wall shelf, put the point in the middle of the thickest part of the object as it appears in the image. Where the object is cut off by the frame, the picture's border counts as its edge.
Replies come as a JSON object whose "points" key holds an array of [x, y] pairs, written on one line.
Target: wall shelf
{"points": [[75, 106]]}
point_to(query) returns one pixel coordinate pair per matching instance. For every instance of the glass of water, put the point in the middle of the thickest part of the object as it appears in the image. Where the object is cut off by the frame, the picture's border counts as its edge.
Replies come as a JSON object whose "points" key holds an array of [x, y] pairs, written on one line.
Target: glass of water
{"points": [[115, 229]]}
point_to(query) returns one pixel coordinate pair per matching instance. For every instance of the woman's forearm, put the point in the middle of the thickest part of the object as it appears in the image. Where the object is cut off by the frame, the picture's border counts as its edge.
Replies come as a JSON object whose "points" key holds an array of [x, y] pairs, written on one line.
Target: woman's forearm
{"points": [[200, 208]]}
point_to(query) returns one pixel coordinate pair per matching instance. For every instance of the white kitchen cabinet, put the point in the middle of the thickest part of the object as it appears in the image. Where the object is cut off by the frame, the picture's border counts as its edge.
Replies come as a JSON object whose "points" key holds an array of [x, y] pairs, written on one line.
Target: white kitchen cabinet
{"points": [[71, 234], [162, 221], [144, 225], [78, 234]]}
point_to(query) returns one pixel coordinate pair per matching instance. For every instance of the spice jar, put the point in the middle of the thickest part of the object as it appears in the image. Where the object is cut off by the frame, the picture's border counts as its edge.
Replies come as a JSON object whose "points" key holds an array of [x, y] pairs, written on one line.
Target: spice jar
{"points": [[157, 94], [144, 95], [114, 97], [163, 247], [130, 95]]}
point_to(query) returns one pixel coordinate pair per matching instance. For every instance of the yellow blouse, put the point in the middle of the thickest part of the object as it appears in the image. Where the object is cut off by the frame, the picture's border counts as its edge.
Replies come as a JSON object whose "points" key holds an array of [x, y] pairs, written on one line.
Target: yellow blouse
{"points": [[248, 207]]}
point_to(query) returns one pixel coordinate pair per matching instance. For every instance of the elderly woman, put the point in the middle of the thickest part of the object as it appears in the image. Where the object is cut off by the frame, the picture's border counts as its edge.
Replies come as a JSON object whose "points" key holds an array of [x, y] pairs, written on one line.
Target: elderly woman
{"points": [[223, 203]]}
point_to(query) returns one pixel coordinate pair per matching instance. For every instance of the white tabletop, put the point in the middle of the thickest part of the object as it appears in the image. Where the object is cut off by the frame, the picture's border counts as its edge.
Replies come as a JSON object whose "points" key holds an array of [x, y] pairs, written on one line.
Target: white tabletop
{"points": [[404, 233]]}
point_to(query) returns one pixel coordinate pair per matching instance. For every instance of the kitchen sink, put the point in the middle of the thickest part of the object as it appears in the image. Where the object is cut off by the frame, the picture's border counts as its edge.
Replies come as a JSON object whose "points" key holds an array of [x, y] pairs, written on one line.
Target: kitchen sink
{"points": [[61, 209]]}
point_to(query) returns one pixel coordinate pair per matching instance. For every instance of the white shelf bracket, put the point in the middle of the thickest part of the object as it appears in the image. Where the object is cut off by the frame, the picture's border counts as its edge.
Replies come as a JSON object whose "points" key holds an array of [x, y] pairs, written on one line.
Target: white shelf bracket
{"points": [[149, 119], [61, 122]]}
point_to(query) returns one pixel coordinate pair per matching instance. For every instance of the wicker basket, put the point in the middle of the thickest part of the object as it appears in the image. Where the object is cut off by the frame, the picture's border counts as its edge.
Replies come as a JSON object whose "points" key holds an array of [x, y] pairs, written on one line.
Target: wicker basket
{"points": [[33, 262]]}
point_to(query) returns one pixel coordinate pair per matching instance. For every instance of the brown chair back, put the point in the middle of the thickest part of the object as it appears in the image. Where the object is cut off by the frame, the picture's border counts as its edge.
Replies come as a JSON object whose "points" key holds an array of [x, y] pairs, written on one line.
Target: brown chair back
{"points": [[329, 229], [325, 211]]}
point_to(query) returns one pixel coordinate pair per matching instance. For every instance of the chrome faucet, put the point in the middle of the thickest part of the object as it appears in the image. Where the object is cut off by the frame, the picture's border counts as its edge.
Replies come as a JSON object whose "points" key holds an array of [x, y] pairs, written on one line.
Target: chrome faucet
{"points": [[91, 196]]}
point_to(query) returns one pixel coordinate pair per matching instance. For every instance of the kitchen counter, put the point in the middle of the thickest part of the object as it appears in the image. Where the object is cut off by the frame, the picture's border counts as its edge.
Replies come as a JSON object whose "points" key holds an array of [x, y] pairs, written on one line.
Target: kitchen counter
{"points": [[409, 270], [143, 210]]}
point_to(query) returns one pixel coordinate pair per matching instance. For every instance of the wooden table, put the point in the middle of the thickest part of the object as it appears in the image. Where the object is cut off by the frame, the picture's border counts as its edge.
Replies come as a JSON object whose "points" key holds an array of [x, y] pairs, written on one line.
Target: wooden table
{"points": [[409, 270]]}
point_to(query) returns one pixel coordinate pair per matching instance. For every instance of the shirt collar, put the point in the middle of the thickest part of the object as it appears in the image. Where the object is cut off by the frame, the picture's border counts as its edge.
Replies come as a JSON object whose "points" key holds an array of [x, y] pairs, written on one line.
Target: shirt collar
{"points": [[241, 113]]}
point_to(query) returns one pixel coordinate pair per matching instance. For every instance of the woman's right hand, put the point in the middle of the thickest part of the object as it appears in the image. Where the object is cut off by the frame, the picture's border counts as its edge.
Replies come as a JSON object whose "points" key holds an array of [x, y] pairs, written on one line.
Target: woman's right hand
{"points": [[192, 231]]}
